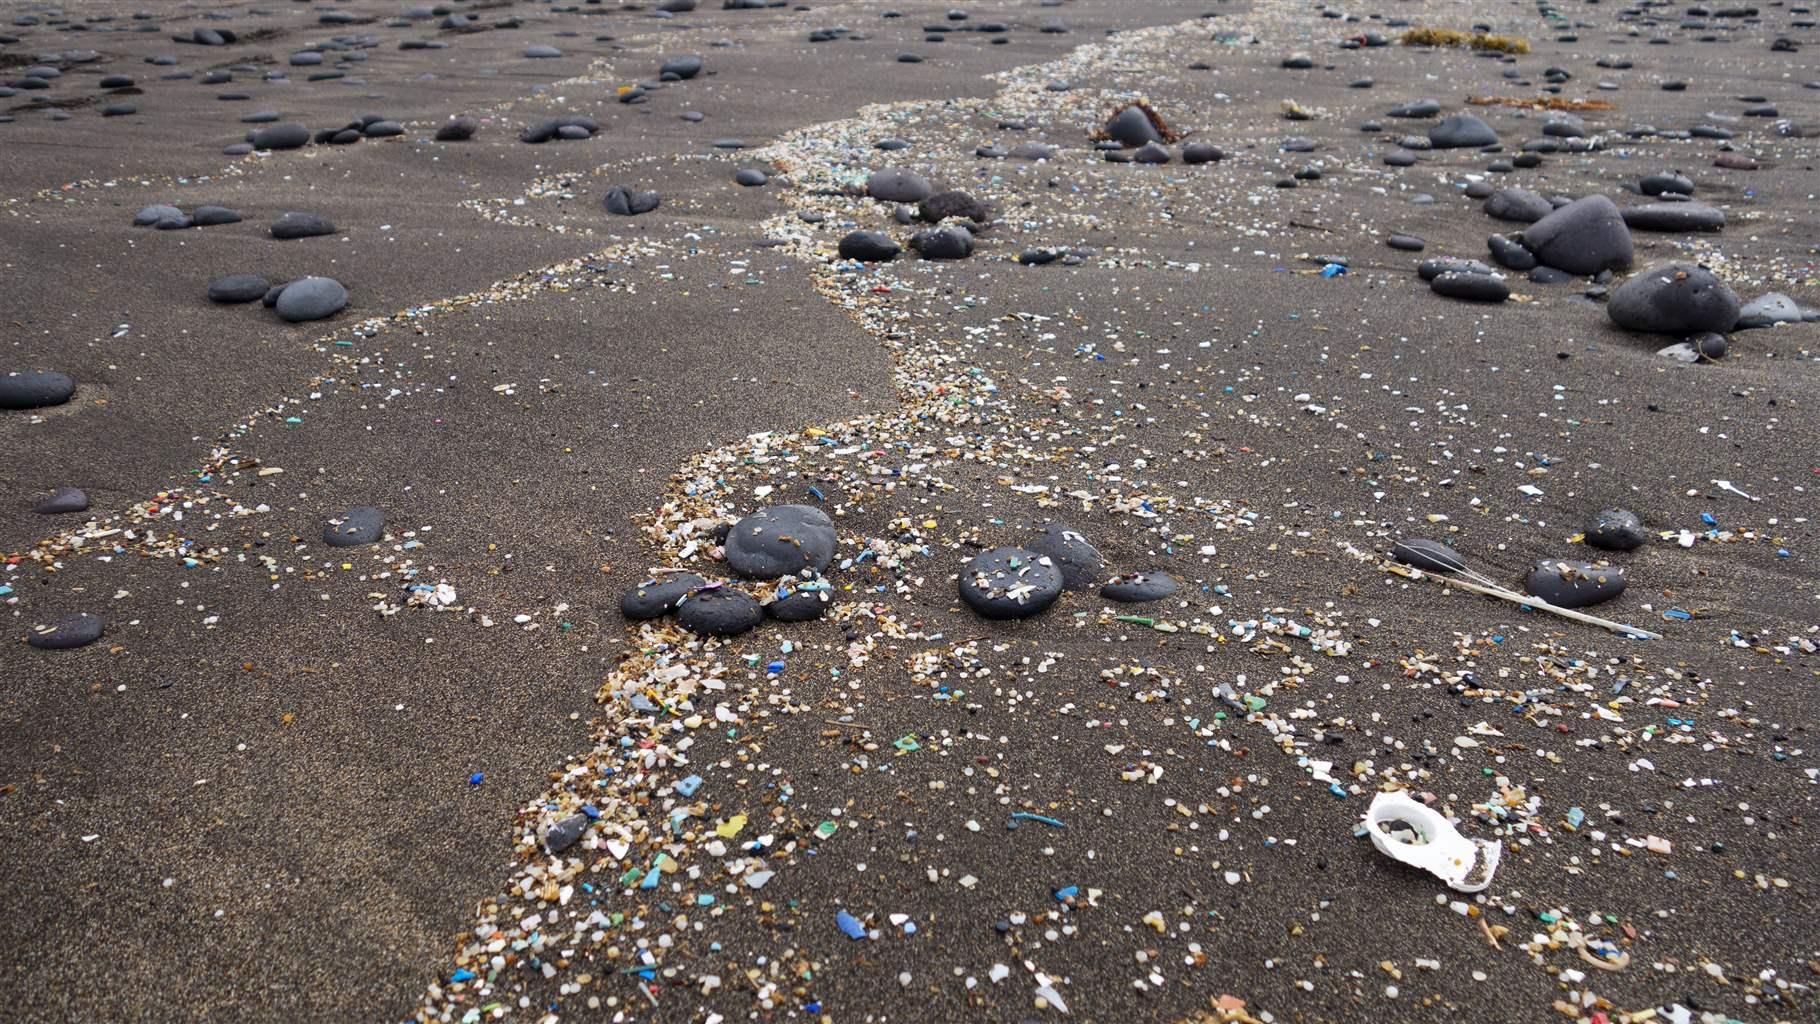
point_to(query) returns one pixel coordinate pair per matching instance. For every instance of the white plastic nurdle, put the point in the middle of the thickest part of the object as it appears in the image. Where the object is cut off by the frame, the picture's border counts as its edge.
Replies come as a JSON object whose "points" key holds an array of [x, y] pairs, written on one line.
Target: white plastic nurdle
{"points": [[1407, 830]]}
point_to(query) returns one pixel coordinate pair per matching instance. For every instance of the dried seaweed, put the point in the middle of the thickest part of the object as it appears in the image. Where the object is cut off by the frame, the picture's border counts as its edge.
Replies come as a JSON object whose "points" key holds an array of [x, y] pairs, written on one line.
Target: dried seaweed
{"points": [[1539, 103], [1473, 40]]}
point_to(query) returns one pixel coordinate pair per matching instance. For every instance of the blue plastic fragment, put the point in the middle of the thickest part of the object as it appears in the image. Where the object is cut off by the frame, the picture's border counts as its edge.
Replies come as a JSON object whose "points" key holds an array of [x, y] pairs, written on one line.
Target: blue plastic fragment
{"points": [[1067, 892], [849, 925], [688, 786], [1333, 270], [477, 778], [1707, 518]]}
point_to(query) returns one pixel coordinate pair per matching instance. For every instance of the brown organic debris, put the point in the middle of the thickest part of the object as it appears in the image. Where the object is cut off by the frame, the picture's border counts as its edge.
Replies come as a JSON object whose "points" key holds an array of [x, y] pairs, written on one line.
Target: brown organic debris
{"points": [[1539, 103], [1473, 40]]}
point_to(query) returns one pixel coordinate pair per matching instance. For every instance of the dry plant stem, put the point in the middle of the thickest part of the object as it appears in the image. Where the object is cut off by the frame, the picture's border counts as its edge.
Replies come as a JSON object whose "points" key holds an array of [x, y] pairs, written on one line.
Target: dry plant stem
{"points": [[1541, 605]]}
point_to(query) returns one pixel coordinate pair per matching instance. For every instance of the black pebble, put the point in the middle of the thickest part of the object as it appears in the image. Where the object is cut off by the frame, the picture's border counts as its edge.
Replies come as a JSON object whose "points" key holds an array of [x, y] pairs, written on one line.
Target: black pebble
{"points": [[65, 499], [35, 389], [1009, 583], [658, 596], [1079, 562], [1138, 587], [362, 524], [719, 611], [64, 633], [1616, 529], [237, 288]]}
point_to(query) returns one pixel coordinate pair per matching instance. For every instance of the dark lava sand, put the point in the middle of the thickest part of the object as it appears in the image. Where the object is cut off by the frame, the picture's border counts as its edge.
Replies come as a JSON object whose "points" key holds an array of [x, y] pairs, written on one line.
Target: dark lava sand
{"points": [[296, 782]]}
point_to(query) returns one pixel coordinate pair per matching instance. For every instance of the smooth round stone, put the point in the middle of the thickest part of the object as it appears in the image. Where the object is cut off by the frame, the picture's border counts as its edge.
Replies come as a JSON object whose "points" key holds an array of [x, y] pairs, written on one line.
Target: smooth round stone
{"points": [[544, 131], [800, 600], [1674, 298], [35, 389], [659, 596], [362, 524], [750, 177], [260, 117], [1461, 131], [627, 203], [119, 110], [63, 500], [1711, 346], [868, 246], [305, 59], [1584, 237], [67, 632], [1132, 127], [212, 216], [1566, 584], [681, 67], [1679, 216], [1400, 158], [238, 288], [1431, 269], [1152, 153], [1201, 153], [458, 129], [1472, 287], [311, 298], [1549, 275], [953, 203], [909, 58], [1138, 587], [1510, 254], [1297, 62], [780, 541], [1768, 310], [382, 130], [289, 135], [1616, 529], [1079, 562], [116, 82], [896, 185], [943, 243], [1517, 204], [1419, 108], [1667, 182], [237, 149], [573, 133], [1009, 583], [1033, 151], [719, 611], [296, 224], [158, 213], [1406, 243], [542, 52]]}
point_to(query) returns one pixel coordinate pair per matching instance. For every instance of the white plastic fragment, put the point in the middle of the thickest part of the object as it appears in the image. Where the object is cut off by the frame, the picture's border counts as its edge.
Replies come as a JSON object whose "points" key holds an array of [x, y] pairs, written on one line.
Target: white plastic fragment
{"points": [[1409, 831]]}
